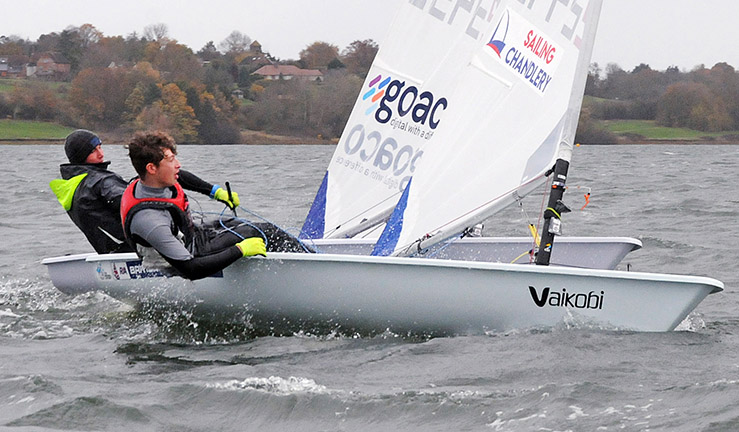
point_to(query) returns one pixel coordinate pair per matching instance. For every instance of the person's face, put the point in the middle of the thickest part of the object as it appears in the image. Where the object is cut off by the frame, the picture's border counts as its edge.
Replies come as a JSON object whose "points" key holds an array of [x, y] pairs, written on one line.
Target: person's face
{"points": [[166, 173], [96, 156]]}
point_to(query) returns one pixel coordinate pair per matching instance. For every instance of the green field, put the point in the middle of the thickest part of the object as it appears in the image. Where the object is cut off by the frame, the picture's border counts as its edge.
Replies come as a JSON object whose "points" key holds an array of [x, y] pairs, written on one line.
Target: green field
{"points": [[32, 130], [650, 130], [7, 85]]}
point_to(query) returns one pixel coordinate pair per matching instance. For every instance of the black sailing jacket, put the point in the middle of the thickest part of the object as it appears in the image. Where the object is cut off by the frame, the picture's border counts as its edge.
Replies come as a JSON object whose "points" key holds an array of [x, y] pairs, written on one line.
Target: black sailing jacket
{"points": [[96, 205]]}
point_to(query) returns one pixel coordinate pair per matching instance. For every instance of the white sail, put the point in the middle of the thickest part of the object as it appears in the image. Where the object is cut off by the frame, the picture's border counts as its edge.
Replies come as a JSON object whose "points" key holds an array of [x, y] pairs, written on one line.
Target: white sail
{"points": [[396, 116], [513, 96]]}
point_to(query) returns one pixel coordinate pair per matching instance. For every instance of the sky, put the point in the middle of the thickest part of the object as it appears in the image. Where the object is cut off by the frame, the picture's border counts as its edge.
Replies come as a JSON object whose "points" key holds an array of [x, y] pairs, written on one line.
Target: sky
{"points": [[660, 33]]}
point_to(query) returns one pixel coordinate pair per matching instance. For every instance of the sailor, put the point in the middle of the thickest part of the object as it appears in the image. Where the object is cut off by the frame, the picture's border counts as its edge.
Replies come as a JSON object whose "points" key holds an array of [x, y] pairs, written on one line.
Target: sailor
{"points": [[91, 194], [156, 218]]}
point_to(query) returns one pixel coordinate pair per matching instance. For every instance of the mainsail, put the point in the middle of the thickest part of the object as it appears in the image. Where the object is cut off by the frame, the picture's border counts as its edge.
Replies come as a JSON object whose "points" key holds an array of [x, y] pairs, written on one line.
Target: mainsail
{"points": [[513, 88], [395, 118]]}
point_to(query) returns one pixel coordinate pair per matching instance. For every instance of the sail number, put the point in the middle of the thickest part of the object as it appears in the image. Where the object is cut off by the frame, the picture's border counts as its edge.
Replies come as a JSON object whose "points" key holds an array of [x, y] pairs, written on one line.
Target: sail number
{"points": [[474, 14], [384, 154]]}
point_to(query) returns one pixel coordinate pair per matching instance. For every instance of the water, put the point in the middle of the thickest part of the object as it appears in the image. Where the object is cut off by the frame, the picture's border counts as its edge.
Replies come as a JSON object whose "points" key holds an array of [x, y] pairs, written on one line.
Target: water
{"points": [[91, 363]]}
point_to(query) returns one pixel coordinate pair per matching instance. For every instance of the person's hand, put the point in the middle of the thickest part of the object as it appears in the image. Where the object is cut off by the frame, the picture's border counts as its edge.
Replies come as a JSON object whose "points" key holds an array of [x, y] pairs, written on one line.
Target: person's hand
{"points": [[222, 196], [252, 246]]}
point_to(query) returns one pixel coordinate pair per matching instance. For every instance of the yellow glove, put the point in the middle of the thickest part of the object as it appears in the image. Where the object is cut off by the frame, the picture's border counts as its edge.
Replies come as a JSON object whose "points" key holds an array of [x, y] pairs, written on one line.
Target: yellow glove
{"points": [[252, 246], [222, 195]]}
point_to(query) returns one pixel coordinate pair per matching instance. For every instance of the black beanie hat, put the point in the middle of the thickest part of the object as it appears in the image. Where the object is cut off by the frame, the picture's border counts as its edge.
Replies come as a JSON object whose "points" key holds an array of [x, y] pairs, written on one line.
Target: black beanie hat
{"points": [[79, 145]]}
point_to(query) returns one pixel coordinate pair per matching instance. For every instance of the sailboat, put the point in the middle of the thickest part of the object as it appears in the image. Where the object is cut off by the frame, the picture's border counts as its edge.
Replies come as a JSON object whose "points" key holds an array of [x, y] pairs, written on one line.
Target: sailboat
{"points": [[511, 76]]}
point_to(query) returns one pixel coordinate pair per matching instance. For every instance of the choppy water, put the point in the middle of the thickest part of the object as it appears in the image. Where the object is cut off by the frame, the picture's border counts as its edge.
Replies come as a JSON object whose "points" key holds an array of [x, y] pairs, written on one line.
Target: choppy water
{"points": [[91, 363]]}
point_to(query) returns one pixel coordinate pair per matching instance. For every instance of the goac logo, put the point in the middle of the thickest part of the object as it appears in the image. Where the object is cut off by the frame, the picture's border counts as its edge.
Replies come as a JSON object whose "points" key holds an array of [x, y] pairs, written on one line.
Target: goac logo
{"points": [[388, 94]]}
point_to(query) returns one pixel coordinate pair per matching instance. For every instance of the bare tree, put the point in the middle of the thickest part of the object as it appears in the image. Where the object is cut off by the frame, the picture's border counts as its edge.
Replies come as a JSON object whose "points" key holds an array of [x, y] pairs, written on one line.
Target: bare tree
{"points": [[156, 32], [235, 43], [89, 35]]}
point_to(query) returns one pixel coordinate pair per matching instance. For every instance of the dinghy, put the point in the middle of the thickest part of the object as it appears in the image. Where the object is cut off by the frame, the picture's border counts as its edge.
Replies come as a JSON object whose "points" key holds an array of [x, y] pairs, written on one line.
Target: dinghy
{"points": [[351, 294], [518, 72]]}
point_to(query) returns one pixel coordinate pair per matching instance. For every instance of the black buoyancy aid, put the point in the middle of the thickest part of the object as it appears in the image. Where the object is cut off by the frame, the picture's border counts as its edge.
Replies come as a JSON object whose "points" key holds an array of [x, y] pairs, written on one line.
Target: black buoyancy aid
{"points": [[178, 207]]}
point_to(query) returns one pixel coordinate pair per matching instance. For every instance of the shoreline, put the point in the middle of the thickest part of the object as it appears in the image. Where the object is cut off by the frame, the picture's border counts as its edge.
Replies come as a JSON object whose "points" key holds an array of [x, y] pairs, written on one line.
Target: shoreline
{"points": [[247, 138], [263, 138]]}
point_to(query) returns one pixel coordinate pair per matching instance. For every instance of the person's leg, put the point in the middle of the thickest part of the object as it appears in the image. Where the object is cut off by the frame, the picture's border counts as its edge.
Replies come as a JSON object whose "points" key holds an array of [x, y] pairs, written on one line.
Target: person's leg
{"points": [[281, 241], [277, 240]]}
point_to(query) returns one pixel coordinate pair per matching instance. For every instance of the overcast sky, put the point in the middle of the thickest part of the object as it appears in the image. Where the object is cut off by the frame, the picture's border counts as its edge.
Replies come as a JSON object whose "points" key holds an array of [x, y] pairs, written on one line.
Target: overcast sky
{"points": [[660, 33]]}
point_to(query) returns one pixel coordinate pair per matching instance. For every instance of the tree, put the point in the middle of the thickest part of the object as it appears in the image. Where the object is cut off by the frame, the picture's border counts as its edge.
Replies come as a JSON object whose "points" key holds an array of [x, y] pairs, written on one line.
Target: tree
{"points": [[336, 64], [106, 51], [70, 46], [214, 113], [34, 101], [89, 35], [218, 76], [174, 105], [318, 55], [99, 96], [304, 108], [589, 132], [641, 67], [209, 52], [592, 83], [135, 48], [175, 60], [48, 42], [692, 105], [12, 45], [235, 43], [157, 32], [359, 55]]}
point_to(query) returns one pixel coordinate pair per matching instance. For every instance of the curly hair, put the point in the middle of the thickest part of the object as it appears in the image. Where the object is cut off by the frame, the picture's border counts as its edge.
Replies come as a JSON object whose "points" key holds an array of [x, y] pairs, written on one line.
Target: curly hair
{"points": [[148, 147]]}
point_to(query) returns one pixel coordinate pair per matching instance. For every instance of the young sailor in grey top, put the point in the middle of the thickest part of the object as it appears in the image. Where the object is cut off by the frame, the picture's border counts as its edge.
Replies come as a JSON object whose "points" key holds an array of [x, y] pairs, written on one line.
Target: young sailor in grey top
{"points": [[156, 217]]}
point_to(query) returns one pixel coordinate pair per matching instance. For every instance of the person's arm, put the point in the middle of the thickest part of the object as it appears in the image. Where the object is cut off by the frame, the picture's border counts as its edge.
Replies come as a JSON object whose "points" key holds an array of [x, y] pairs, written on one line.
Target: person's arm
{"points": [[194, 183], [204, 266], [111, 190], [154, 227]]}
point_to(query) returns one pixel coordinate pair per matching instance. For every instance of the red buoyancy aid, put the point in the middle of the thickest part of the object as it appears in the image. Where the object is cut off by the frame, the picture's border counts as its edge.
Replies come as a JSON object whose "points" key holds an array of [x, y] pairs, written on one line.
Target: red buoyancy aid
{"points": [[178, 206]]}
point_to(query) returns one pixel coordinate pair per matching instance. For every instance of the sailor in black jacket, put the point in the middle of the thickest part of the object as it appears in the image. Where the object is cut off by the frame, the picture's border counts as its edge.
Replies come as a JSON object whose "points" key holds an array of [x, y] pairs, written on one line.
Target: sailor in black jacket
{"points": [[90, 193]]}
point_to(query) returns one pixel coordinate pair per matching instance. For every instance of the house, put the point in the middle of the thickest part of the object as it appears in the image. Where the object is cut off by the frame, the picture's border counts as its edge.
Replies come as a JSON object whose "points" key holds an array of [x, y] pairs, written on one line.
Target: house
{"points": [[255, 58], [288, 72], [51, 65], [12, 66]]}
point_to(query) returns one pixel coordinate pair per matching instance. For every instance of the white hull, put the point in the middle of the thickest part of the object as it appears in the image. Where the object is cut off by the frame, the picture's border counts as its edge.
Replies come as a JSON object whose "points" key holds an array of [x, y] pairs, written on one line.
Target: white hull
{"points": [[589, 252], [290, 292]]}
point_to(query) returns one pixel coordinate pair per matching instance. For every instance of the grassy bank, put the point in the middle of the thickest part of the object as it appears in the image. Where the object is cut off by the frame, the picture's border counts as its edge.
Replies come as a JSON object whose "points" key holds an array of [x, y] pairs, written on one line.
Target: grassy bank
{"points": [[650, 130], [12, 130], [627, 131]]}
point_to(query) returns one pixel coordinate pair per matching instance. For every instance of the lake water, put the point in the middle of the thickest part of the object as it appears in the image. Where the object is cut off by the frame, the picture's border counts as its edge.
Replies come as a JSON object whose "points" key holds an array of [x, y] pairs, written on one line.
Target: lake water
{"points": [[89, 363]]}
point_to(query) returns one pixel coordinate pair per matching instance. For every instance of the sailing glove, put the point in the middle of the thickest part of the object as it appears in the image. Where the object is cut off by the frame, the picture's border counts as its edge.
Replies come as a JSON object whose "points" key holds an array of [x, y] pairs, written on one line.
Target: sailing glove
{"points": [[252, 246], [221, 195]]}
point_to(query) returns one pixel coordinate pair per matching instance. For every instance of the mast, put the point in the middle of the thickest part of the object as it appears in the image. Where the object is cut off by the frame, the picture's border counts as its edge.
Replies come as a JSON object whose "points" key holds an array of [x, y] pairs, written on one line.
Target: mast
{"points": [[555, 207], [553, 214]]}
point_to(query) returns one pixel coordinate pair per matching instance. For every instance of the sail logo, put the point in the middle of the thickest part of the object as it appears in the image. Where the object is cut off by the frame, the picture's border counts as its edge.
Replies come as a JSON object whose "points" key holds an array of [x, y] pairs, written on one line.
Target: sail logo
{"points": [[391, 96], [376, 92], [497, 40], [527, 51], [591, 300]]}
